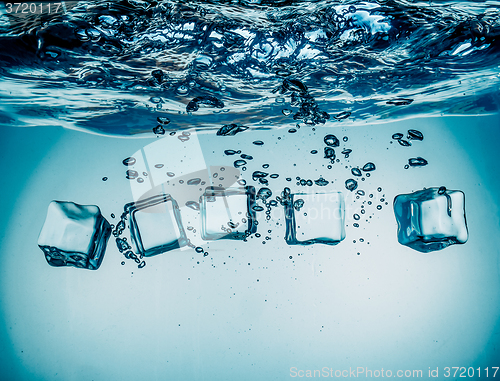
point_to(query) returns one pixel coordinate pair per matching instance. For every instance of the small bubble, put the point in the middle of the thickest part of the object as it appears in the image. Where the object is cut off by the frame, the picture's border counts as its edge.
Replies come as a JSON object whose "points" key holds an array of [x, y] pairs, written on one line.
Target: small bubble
{"points": [[242, 182], [258, 142], [407, 166], [140, 180], [360, 192], [128, 161], [274, 176], [112, 215], [361, 240], [417, 162], [159, 130], [314, 152], [170, 174], [182, 90], [123, 262], [286, 112], [368, 167], [379, 189], [356, 172], [292, 130], [199, 249], [331, 140], [265, 166], [345, 138], [351, 184], [104, 179], [379, 207], [181, 181], [356, 216], [193, 205], [404, 143], [288, 179], [397, 136], [163, 120], [415, 135], [159, 166], [356, 225]]}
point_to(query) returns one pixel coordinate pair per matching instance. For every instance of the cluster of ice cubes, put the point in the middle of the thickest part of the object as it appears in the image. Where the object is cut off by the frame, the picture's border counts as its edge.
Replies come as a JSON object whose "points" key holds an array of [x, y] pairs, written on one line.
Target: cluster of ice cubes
{"points": [[76, 235]]}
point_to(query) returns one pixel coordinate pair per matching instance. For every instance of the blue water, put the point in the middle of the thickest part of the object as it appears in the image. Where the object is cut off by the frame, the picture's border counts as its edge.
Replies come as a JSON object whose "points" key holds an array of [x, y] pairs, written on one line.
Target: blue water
{"points": [[83, 90]]}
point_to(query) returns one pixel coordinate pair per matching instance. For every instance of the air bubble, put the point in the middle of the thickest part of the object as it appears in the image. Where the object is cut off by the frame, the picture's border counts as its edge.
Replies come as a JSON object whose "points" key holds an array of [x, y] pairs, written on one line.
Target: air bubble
{"points": [[331, 140], [417, 162], [239, 163], [351, 184], [128, 161], [415, 135], [368, 167], [131, 174], [329, 153], [258, 142], [194, 181], [356, 172], [163, 120], [286, 112]]}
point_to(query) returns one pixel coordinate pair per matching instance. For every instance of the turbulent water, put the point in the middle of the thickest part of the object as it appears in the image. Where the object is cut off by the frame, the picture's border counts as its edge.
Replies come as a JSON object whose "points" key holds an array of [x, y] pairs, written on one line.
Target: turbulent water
{"points": [[114, 67]]}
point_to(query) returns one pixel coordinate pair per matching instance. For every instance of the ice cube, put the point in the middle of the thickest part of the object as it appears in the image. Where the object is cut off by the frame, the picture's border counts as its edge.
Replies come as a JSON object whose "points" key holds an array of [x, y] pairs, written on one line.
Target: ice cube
{"points": [[315, 218], [156, 225], [227, 213], [431, 219], [74, 235]]}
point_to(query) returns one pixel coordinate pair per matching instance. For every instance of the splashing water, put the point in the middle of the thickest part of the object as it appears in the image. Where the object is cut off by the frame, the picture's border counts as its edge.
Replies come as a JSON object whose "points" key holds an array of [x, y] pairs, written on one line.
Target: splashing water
{"points": [[364, 61]]}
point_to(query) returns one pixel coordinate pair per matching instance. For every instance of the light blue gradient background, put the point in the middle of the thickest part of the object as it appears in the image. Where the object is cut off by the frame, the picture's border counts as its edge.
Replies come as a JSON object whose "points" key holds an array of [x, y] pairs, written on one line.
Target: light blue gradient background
{"points": [[390, 307]]}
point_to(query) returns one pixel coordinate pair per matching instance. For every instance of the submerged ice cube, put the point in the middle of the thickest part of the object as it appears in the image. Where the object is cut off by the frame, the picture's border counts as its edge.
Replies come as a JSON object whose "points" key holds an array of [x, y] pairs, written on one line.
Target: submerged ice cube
{"points": [[74, 235], [315, 218], [156, 225], [431, 219], [227, 213]]}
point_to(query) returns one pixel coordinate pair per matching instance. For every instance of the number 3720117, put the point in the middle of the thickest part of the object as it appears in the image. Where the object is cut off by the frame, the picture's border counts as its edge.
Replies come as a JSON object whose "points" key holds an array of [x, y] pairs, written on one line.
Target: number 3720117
{"points": [[33, 8]]}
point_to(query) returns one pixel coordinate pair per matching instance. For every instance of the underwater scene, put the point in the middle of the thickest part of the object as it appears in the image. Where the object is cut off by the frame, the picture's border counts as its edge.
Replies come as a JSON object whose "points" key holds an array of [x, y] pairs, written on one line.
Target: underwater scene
{"points": [[250, 190]]}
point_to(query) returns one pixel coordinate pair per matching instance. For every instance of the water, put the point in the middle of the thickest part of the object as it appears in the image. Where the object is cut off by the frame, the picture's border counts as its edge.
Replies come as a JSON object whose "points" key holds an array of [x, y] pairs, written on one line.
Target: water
{"points": [[365, 100]]}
